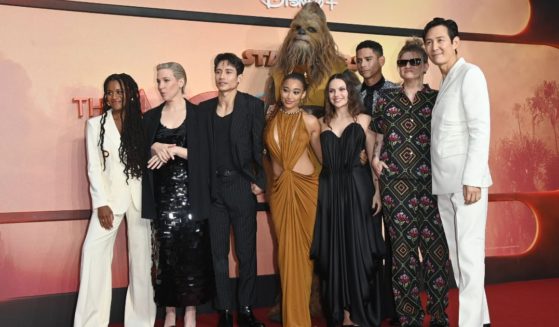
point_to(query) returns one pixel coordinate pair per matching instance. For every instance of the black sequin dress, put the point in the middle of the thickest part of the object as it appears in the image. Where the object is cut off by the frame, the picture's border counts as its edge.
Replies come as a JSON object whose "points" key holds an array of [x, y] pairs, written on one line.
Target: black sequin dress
{"points": [[183, 274]]}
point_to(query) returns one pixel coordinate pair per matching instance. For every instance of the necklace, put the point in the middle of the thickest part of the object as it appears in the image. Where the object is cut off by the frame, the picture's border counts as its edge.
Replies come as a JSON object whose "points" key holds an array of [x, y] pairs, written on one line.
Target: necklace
{"points": [[291, 112]]}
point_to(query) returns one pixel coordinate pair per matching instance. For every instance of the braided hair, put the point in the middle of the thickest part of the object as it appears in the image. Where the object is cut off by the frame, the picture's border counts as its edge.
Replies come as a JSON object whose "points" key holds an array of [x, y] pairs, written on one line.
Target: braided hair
{"points": [[131, 151]]}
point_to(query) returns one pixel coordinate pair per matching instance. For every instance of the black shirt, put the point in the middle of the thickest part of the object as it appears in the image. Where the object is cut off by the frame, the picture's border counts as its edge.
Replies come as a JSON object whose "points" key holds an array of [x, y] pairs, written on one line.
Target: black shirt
{"points": [[222, 142], [370, 92]]}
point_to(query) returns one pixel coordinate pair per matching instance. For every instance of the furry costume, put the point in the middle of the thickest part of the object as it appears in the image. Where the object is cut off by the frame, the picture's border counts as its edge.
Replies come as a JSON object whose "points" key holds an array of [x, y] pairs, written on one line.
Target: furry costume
{"points": [[308, 48]]}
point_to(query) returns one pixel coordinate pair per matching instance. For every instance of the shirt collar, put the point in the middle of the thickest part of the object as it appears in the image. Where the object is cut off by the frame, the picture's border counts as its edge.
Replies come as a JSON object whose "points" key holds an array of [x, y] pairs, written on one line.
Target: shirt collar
{"points": [[375, 87], [426, 89]]}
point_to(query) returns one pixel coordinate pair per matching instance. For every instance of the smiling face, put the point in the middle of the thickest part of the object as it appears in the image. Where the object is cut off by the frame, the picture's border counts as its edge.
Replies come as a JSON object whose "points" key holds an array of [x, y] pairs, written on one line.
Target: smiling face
{"points": [[414, 68], [338, 93], [369, 64], [114, 95], [292, 93], [168, 85], [440, 48], [226, 77]]}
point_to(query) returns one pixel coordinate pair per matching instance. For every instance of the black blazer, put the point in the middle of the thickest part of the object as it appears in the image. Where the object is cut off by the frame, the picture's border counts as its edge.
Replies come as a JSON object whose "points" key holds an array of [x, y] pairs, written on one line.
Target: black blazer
{"points": [[198, 165], [247, 126]]}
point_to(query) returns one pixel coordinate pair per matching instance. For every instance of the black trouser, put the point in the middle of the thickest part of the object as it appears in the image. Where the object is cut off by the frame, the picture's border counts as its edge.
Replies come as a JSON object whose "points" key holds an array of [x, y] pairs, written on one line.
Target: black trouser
{"points": [[234, 205]]}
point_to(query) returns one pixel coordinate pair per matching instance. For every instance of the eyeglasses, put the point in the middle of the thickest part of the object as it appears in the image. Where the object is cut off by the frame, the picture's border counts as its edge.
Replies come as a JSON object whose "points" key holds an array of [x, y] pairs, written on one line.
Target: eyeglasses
{"points": [[413, 62]]}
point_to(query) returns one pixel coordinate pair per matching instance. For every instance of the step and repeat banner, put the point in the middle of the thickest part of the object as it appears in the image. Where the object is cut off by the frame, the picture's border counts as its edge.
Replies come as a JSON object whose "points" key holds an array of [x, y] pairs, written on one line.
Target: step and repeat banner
{"points": [[54, 58]]}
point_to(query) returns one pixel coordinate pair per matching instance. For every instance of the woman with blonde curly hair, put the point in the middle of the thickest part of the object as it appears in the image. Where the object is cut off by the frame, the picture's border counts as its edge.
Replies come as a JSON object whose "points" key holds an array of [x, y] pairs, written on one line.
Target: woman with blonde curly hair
{"points": [[403, 116]]}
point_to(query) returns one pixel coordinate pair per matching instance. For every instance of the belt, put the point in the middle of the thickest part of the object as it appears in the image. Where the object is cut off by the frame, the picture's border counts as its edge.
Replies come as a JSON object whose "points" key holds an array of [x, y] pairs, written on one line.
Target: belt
{"points": [[225, 172]]}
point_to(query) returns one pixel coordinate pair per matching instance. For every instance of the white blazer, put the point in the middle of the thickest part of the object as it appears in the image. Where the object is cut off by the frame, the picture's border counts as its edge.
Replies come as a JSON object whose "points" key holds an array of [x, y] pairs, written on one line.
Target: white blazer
{"points": [[460, 127], [108, 186]]}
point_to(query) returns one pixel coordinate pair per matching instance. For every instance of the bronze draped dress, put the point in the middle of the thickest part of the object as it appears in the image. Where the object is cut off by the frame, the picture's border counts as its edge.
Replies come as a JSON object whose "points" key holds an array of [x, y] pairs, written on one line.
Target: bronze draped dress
{"points": [[293, 200]]}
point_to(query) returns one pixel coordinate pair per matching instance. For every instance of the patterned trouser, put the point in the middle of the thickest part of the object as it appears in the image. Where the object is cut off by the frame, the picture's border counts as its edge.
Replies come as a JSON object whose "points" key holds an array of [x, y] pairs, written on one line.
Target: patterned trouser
{"points": [[412, 217]]}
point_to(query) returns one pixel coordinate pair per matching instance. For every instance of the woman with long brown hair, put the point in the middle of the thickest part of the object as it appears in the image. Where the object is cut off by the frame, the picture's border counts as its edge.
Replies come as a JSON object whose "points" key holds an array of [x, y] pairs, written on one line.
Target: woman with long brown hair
{"points": [[347, 247]]}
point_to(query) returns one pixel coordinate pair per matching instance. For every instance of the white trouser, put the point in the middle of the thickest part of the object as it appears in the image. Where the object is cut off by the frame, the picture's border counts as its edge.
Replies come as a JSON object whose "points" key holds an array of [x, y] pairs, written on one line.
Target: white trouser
{"points": [[94, 299], [464, 227]]}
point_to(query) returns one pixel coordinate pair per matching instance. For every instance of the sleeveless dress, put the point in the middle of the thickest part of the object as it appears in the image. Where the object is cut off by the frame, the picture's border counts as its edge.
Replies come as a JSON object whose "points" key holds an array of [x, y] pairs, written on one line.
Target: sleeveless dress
{"points": [[347, 248], [293, 207], [183, 270]]}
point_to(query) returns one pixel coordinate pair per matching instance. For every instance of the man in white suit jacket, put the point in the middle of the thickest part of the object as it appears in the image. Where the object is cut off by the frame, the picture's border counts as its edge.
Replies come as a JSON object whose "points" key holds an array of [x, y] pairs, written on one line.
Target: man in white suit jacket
{"points": [[459, 156], [115, 196]]}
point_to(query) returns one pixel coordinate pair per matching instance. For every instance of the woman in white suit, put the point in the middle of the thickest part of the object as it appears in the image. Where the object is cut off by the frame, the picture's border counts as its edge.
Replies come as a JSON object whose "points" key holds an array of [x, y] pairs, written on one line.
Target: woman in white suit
{"points": [[115, 155]]}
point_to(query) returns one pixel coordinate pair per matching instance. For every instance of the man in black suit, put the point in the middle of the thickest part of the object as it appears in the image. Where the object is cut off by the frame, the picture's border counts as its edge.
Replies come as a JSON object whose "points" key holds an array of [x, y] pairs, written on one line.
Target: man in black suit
{"points": [[235, 122]]}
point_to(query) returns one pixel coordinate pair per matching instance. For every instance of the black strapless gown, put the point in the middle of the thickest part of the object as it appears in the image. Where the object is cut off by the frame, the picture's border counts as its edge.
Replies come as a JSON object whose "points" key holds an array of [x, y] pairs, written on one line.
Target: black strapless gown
{"points": [[183, 274], [347, 247]]}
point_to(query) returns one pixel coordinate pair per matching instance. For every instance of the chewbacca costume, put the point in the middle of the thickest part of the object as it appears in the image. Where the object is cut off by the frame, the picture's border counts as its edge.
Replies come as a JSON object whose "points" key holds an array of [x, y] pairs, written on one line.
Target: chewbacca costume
{"points": [[308, 49]]}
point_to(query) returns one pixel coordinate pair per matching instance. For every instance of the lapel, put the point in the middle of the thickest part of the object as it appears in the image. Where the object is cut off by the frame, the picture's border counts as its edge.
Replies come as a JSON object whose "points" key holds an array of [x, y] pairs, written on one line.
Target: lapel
{"points": [[151, 128], [209, 112], [237, 115], [451, 76], [111, 131], [191, 122], [154, 123]]}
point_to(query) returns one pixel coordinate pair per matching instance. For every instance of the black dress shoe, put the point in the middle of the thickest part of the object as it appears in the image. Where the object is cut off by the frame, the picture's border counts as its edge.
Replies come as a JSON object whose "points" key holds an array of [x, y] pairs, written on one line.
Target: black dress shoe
{"points": [[225, 319], [246, 318]]}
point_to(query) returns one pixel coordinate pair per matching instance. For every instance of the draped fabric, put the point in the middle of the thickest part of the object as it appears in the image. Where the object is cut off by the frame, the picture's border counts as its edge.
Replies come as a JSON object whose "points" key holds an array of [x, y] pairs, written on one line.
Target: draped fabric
{"points": [[293, 207], [348, 248]]}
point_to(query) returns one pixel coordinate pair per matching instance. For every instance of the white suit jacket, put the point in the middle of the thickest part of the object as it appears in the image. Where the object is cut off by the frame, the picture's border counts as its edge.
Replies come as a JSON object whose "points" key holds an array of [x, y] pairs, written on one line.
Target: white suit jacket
{"points": [[108, 186], [460, 131]]}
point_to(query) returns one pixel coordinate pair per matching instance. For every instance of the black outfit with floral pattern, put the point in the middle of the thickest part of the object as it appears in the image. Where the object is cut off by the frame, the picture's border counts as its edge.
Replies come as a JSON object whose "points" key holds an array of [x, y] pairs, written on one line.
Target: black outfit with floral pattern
{"points": [[410, 209]]}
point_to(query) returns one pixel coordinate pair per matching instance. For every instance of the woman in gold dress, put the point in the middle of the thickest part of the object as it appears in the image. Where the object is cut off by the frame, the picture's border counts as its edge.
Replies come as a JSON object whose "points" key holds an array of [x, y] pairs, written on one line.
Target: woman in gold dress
{"points": [[292, 138]]}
